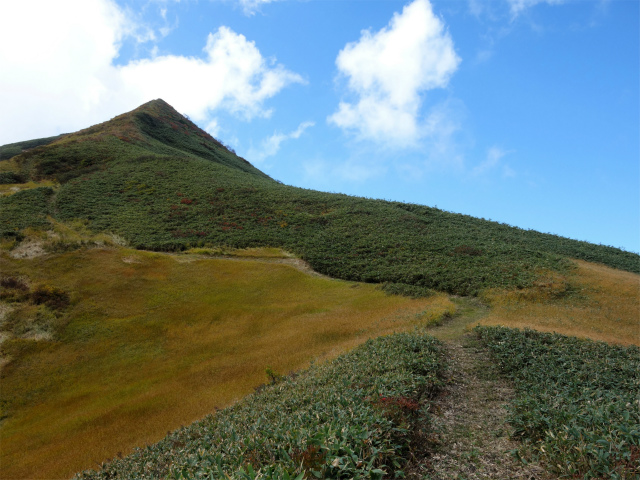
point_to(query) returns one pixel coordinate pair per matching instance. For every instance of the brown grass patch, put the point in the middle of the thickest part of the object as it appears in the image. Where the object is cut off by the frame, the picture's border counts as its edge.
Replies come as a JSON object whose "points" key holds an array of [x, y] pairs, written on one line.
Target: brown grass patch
{"points": [[152, 344], [593, 301]]}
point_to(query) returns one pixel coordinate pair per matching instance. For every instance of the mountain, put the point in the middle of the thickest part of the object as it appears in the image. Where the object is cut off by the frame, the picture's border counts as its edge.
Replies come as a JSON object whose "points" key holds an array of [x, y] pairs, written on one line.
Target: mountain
{"points": [[156, 179], [106, 348], [154, 128]]}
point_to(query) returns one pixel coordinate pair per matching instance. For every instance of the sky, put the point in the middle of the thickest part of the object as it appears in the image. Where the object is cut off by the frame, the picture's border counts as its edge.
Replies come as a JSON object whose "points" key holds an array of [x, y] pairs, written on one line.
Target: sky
{"points": [[525, 112]]}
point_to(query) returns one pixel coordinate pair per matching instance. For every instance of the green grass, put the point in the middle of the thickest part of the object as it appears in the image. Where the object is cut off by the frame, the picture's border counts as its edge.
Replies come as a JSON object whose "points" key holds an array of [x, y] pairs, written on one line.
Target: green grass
{"points": [[577, 400], [353, 417]]}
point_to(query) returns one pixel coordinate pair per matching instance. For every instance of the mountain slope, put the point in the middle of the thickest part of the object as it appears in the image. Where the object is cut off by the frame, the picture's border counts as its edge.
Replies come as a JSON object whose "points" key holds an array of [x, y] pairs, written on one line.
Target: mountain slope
{"points": [[154, 178], [153, 128]]}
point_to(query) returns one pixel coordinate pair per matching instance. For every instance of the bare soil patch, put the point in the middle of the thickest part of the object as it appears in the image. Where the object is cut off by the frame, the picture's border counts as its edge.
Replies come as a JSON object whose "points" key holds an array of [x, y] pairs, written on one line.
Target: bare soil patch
{"points": [[28, 249]]}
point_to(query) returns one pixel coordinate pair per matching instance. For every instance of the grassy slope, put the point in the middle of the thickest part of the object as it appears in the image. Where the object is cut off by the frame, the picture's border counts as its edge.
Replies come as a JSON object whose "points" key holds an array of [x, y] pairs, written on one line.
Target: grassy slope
{"points": [[154, 128], [353, 417], [154, 178], [592, 301], [157, 341]]}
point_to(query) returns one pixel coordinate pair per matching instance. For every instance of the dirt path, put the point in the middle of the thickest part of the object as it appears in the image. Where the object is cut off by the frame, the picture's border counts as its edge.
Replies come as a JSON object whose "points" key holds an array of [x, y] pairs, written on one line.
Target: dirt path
{"points": [[471, 415]]}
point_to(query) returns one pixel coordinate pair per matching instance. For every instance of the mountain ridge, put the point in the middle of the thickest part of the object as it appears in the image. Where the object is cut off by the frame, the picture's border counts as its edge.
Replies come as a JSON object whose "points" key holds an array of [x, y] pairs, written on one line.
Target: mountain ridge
{"points": [[153, 177], [153, 128]]}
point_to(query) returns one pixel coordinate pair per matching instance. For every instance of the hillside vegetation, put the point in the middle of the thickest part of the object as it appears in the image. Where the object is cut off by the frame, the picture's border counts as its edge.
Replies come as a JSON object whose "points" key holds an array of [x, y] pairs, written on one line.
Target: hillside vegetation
{"points": [[154, 178], [12, 149], [357, 417]]}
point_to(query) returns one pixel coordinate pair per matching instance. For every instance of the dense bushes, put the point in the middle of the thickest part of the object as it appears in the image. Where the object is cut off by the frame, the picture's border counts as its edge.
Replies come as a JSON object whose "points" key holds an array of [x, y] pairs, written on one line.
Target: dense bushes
{"points": [[577, 400], [27, 208], [412, 291], [12, 149], [11, 177]]}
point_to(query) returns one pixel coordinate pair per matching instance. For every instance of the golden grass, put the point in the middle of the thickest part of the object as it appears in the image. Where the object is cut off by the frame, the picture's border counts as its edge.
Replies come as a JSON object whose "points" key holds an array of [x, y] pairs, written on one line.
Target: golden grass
{"points": [[593, 301], [150, 343]]}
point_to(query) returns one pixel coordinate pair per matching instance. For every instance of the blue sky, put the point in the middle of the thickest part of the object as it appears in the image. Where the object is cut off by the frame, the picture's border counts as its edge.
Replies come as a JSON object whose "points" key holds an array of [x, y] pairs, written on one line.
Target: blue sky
{"points": [[521, 111]]}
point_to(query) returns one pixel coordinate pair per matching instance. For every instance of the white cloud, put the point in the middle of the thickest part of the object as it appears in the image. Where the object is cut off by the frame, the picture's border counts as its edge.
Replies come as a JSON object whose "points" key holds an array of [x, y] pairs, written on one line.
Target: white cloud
{"points": [[59, 74], [494, 155], [213, 127], [233, 76], [519, 6], [271, 145], [389, 70], [250, 7]]}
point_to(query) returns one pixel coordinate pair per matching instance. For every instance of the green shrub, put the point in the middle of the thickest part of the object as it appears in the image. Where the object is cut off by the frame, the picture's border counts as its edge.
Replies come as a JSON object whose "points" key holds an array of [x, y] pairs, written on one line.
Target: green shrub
{"points": [[577, 400], [412, 291], [11, 177], [27, 208]]}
